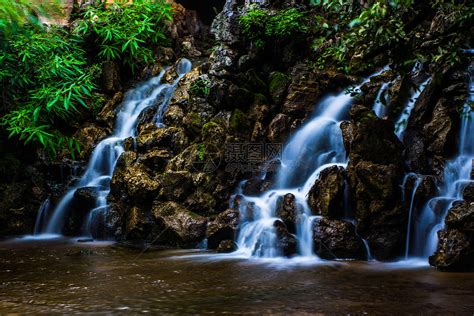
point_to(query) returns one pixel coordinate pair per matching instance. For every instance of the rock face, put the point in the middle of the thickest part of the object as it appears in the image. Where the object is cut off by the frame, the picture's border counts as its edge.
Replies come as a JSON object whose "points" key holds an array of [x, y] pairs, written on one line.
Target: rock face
{"points": [[335, 239], [375, 172], [224, 227], [455, 250], [177, 225], [286, 242], [327, 195], [288, 211]]}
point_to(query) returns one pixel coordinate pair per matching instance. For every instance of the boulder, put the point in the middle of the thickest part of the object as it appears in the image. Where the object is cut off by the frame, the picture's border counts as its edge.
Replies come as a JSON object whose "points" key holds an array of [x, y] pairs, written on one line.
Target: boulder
{"points": [[175, 185], [279, 128], [286, 242], [87, 137], [461, 216], [152, 136], [327, 195], [224, 227], [455, 251], [177, 225], [335, 239], [227, 246], [226, 26], [86, 198], [288, 211]]}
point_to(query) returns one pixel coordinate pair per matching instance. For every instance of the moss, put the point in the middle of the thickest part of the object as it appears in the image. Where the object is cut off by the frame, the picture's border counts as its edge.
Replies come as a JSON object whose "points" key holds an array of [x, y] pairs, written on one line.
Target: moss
{"points": [[259, 98], [212, 132], [238, 121], [278, 81]]}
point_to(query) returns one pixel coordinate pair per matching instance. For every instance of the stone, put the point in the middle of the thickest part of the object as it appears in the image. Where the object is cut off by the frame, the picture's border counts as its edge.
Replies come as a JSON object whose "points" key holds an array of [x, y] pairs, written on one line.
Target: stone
{"points": [[152, 136], [226, 26], [461, 216], [336, 239], [223, 227], [278, 86], [87, 137], [455, 251], [178, 225], [286, 242], [175, 185], [279, 128], [288, 210], [327, 195], [227, 246]]}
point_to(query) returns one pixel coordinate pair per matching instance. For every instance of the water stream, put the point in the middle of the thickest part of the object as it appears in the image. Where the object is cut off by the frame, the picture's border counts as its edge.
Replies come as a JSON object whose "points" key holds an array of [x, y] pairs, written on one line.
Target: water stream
{"points": [[316, 146], [99, 171]]}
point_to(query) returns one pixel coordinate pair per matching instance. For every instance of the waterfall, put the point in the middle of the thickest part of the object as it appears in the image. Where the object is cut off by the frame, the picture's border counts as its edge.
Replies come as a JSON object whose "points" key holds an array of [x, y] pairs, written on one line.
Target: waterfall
{"points": [[316, 146], [402, 121], [379, 105], [42, 214], [101, 165], [457, 175], [417, 183]]}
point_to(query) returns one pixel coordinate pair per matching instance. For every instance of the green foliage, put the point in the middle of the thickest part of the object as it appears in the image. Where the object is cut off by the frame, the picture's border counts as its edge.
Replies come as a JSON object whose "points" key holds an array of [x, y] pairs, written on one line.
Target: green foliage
{"points": [[201, 152], [47, 74], [201, 87], [15, 13], [261, 26], [128, 31]]}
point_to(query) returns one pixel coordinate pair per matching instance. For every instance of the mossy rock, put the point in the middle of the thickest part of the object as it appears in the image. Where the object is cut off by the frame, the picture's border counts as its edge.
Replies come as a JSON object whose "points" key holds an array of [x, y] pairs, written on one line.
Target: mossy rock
{"points": [[239, 121], [278, 85], [213, 133], [259, 98]]}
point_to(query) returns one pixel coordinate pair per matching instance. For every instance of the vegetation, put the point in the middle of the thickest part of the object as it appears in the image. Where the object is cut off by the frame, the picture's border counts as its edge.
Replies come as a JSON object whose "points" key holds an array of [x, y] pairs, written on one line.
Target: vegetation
{"points": [[50, 74], [261, 26]]}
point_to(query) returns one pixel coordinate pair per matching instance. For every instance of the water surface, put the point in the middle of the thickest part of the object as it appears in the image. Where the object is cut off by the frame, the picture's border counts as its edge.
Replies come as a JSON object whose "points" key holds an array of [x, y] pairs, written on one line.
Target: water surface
{"points": [[64, 276]]}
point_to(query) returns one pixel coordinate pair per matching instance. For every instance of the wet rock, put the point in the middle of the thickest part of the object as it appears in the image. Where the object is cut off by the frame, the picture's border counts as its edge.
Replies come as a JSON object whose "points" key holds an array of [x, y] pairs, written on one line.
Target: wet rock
{"points": [[111, 76], [108, 113], [177, 225], [175, 185], [279, 128], [468, 193], [286, 242], [278, 85], [156, 159], [455, 251], [288, 210], [255, 186], [86, 198], [302, 92], [375, 172], [224, 227], [152, 136], [223, 61], [227, 246], [335, 239], [326, 197], [461, 216], [132, 179], [88, 137]]}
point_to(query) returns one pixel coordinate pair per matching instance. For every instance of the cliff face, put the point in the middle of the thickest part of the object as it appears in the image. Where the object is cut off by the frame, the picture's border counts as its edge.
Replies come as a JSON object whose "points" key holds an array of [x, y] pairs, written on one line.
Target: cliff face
{"points": [[239, 93]]}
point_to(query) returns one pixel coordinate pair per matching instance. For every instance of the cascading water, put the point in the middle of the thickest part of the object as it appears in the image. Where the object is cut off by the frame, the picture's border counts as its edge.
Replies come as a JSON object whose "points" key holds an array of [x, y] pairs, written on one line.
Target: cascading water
{"points": [[457, 175], [380, 105], [402, 121], [105, 155], [316, 146]]}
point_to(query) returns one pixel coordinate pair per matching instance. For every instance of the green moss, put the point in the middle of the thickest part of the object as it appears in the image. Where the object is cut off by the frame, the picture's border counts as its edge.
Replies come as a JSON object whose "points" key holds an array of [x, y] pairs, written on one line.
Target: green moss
{"points": [[259, 98], [210, 129], [278, 81], [238, 121]]}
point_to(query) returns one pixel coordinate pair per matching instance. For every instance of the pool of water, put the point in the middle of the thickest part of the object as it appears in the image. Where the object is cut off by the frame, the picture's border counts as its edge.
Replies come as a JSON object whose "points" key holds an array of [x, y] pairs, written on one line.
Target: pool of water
{"points": [[64, 276]]}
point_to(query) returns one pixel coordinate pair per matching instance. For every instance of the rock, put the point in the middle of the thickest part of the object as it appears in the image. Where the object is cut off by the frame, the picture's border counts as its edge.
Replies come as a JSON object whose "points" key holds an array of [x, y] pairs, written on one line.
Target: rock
{"points": [[201, 202], [255, 186], [227, 246], [286, 242], [88, 137], [178, 226], [302, 92], [152, 136], [132, 179], [468, 193], [455, 251], [335, 239], [375, 173], [278, 85], [213, 133], [288, 211], [224, 227], [107, 115], [175, 185], [279, 128], [86, 198], [226, 26], [223, 61], [156, 159], [461, 216], [327, 195]]}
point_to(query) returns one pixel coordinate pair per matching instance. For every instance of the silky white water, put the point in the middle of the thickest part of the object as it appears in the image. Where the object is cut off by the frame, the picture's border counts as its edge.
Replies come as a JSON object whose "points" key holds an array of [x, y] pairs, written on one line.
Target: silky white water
{"points": [[457, 175], [101, 165], [316, 146]]}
